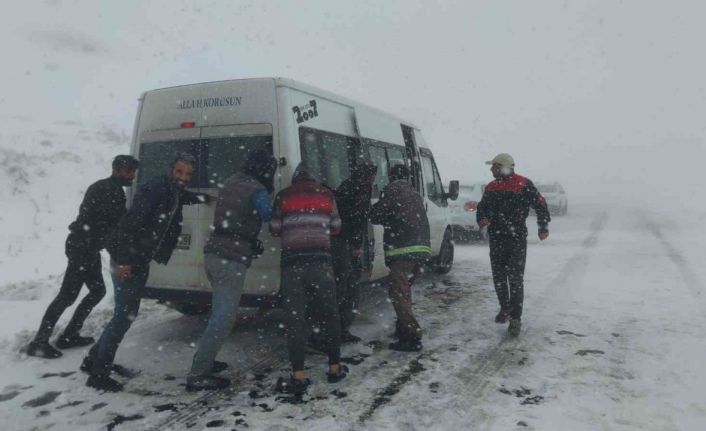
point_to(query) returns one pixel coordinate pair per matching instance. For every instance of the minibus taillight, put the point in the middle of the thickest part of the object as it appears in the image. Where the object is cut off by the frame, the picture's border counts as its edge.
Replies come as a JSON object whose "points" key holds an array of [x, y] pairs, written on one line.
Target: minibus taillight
{"points": [[470, 206], [188, 125]]}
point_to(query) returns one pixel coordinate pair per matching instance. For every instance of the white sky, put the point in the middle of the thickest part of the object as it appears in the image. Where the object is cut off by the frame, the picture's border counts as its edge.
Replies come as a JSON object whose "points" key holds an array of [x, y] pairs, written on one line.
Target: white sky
{"points": [[607, 96]]}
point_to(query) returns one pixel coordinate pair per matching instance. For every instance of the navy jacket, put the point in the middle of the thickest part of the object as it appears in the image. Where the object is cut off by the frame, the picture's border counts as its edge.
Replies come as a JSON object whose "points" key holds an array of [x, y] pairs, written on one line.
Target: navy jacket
{"points": [[151, 227], [506, 203]]}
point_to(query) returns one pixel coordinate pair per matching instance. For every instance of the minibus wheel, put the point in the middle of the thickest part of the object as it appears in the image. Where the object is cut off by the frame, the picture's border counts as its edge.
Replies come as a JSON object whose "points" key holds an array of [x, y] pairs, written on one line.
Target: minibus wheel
{"points": [[445, 259]]}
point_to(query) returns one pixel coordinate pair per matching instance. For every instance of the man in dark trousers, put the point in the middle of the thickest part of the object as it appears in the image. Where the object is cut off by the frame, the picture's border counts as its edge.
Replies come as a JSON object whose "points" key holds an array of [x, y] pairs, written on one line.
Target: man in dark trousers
{"points": [[504, 209], [353, 200], [148, 231], [102, 207], [407, 246], [243, 204], [305, 218]]}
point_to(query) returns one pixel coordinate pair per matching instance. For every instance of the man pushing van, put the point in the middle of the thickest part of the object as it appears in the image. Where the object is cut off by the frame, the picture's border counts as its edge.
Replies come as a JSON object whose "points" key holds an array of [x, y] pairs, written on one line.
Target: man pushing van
{"points": [[243, 204], [148, 231]]}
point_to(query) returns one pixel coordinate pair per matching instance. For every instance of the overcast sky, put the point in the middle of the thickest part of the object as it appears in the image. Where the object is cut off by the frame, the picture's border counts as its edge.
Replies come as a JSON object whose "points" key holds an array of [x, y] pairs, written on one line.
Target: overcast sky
{"points": [[607, 96]]}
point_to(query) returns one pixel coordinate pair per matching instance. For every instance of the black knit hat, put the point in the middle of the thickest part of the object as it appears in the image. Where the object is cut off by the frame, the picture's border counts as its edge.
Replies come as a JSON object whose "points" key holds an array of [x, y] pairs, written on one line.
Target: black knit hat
{"points": [[261, 165]]}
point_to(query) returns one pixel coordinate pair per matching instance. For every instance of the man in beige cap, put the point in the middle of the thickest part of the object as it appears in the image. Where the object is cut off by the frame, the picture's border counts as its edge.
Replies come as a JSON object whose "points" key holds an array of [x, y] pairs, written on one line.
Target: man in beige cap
{"points": [[504, 209]]}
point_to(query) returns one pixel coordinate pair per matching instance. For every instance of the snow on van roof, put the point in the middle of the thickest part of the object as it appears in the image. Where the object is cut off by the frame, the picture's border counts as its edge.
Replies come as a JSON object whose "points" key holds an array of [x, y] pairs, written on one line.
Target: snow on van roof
{"points": [[291, 83]]}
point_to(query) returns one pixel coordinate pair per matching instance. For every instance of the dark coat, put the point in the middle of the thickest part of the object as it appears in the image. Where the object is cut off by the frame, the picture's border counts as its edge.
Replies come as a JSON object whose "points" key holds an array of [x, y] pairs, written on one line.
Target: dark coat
{"points": [[353, 200], [401, 212], [102, 207], [236, 222], [151, 227], [506, 203]]}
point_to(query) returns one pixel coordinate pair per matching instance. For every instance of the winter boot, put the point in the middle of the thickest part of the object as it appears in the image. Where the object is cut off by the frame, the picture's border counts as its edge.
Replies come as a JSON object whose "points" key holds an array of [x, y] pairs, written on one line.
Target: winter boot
{"points": [[87, 366], [104, 383], [347, 337], [42, 349], [292, 386], [413, 345], [206, 383], [502, 315], [335, 378], [514, 327], [69, 341], [219, 366]]}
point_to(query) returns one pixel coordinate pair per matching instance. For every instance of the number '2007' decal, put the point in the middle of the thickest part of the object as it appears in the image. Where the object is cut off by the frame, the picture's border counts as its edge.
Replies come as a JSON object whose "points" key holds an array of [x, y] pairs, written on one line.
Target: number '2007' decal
{"points": [[306, 112]]}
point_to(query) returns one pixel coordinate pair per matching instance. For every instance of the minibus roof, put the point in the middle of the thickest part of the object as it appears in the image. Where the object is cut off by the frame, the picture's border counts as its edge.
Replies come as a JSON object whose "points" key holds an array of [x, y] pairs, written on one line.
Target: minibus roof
{"points": [[290, 83]]}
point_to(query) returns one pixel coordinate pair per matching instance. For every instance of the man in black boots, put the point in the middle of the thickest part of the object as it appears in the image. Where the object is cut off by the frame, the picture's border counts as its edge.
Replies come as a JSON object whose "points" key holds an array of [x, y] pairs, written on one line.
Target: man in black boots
{"points": [[102, 207], [149, 231]]}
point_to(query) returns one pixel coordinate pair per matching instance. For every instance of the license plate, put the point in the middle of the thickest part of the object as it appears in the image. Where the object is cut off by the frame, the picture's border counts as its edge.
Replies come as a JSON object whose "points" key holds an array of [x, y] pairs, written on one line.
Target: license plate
{"points": [[184, 242]]}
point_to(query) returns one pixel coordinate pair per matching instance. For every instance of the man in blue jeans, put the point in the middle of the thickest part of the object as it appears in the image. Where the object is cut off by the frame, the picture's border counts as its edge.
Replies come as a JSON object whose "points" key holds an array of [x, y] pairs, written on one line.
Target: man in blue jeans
{"points": [[148, 231], [243, 204]]}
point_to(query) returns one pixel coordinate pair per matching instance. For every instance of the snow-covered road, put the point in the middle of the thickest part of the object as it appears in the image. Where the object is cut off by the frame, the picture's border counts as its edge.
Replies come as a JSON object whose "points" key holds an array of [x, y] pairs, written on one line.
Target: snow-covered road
{"points": [[613, 338]]}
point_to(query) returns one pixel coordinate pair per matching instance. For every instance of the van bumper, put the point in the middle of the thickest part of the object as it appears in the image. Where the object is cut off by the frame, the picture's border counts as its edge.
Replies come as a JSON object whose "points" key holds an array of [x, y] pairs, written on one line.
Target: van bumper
{"points": [[202, 297]]}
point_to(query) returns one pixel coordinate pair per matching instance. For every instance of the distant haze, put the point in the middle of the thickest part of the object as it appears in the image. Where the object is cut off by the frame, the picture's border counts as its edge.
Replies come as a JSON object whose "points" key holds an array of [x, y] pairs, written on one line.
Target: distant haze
{"points": [[606, 96]]}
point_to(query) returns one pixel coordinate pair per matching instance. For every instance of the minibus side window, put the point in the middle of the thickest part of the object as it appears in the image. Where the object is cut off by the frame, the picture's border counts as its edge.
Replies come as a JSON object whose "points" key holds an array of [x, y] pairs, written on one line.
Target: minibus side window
{"points": [[379, 157], [327, 156], [432, 183]]}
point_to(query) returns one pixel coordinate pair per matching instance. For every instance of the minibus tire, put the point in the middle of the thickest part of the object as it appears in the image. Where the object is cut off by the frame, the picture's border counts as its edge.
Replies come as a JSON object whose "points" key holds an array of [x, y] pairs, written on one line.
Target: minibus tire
{"points": [[445, 260]]}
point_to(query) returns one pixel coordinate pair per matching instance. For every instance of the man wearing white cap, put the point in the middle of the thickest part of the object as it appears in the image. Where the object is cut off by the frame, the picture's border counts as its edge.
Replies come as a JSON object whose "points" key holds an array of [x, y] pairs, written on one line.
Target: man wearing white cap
{"points": [[504, 209]]}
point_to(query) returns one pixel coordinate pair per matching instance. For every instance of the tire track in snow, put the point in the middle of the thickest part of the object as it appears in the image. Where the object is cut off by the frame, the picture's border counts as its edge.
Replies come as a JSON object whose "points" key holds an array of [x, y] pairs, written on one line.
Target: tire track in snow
{"points": [[478, 377], [690, 278]]}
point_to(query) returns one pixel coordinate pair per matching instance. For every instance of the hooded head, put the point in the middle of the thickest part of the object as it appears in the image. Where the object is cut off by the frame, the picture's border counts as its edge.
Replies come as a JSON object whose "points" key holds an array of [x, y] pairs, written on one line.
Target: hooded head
{"points": [[261, 165], [302, 172], [364, 171]]}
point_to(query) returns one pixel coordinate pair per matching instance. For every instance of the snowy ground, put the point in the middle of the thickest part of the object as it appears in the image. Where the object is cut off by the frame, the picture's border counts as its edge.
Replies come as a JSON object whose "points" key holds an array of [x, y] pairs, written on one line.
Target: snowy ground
{"points": [[613, 338]]}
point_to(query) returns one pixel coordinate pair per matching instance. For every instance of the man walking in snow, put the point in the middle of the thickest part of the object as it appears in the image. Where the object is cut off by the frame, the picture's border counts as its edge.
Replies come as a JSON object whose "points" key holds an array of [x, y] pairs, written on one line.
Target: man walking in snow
{"points": [[148, 231], [243, 204], [504, 209], [407, 246], [102, 207]]}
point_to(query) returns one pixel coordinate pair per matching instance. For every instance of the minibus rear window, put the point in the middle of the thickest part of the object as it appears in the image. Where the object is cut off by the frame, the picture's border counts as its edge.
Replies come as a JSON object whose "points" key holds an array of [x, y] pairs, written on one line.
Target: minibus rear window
{"points": [[217, 158]]}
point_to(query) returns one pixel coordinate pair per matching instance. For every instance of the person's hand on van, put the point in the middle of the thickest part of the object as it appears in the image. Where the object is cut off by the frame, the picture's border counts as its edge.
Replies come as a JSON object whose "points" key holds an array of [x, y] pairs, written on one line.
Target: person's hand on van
{"points": [[123, 272], [543, 234], [483, 222], [357, 252]]}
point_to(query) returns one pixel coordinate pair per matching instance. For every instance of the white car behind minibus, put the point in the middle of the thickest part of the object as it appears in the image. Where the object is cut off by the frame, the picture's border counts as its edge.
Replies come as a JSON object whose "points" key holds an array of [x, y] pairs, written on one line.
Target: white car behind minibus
{"points": [[220, 122]]}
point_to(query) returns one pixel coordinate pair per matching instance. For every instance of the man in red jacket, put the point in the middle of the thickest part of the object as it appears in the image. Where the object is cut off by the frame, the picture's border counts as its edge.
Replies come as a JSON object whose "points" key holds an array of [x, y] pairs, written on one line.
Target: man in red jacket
{"points": [[305, 217], [504, 208]]}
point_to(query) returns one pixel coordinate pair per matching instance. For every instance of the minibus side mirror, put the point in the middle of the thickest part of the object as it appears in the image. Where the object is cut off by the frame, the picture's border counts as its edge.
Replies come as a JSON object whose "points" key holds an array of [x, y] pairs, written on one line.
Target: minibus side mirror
{"points": [[454, 188]]}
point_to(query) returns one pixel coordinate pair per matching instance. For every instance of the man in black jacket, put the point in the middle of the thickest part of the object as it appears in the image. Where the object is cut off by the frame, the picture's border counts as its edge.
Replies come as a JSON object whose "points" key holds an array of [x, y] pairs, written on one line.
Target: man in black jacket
{"points": [[102, 207], [353, 200], [504, 208], [149, 231], [407, 245]]}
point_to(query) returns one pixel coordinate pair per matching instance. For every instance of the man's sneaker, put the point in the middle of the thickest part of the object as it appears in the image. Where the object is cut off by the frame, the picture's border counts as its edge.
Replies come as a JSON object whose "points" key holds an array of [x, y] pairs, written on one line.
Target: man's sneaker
{"points": [[43, 350], [219, 366], [514, 327], [407, 345], [347, 337], [292, 386], [69, 341], [335, 378], [502, 315], [206, 383], [104, 383]]}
